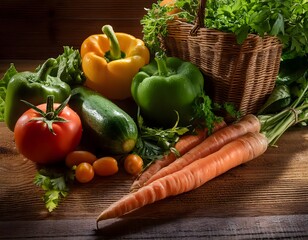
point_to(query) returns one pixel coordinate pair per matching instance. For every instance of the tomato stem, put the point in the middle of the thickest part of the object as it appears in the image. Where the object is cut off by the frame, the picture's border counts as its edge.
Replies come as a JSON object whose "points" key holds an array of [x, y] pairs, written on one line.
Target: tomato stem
{"points": [[49, 107], [51, 115]]}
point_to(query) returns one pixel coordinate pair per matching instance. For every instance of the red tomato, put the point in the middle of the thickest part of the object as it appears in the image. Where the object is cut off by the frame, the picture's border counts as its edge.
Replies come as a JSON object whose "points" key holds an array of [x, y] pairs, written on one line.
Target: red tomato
{"points": [[36, 142]]}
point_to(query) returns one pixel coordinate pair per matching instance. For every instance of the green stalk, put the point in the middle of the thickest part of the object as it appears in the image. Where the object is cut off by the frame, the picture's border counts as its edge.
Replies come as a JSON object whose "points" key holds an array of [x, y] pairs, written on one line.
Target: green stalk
{"points": [[45, 69], [274, 134], [273, 127], [272, 120], [49, 107], [115, 51], [161, 65]]}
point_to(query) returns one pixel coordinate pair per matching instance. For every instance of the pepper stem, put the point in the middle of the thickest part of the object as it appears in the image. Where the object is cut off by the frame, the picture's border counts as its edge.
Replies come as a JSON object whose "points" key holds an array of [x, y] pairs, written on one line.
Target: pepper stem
{"points": [[161, 65], [45, 69], [115, 51]]}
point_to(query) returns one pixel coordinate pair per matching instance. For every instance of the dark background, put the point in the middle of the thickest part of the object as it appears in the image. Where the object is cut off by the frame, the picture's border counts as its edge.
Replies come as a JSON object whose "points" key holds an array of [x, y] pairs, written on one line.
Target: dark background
{"points": [[38, 29]]}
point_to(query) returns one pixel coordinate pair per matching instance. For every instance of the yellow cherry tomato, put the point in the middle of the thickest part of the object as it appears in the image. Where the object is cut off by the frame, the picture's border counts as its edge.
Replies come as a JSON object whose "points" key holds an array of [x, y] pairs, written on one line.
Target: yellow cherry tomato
{"points": [[76, 157], [105, 166], [84, 172], [133, 164]]}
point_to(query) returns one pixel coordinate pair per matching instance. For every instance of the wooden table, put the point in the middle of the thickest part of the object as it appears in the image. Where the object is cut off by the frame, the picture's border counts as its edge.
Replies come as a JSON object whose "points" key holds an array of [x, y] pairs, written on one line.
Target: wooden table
{"points": [[266, 198]]}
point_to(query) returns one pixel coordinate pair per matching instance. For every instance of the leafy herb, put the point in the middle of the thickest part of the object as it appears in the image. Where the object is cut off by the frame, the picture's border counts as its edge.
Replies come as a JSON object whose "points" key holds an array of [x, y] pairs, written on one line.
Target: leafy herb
{"points": [[288, 20], [205, 111], [3, 86], [288, 104], [68, 67], [148, 151], [153, 143], [155, 27], [279, 99], [55, 184]]}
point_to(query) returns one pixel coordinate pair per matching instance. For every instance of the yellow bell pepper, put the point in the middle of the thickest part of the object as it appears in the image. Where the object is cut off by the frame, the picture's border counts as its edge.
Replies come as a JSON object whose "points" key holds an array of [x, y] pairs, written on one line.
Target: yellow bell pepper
{"points": [[111, 60]]}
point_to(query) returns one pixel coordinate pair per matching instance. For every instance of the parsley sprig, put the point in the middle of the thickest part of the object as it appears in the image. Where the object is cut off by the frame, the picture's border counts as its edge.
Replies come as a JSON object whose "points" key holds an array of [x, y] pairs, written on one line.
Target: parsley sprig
{"points": [[206, 111], [54, 182], [153, 142]]}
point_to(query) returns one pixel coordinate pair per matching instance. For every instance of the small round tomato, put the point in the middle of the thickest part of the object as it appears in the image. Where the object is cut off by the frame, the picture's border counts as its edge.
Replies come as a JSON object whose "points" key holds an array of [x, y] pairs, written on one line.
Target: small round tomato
{"points": [[76, 157], [35, 140], [105, 166], [133, 164], [84, 172]]}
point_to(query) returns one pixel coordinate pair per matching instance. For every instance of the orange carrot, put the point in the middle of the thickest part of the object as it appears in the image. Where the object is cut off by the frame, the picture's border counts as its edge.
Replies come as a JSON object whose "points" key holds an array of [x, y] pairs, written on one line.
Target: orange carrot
{"points": [[237, 152], [185, 143], [214, 142]]}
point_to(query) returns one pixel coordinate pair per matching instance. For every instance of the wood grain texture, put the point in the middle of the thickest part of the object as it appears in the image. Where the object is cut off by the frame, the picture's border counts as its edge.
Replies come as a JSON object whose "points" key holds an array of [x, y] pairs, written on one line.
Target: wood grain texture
{"points": [[269, 227], [39, 29]]}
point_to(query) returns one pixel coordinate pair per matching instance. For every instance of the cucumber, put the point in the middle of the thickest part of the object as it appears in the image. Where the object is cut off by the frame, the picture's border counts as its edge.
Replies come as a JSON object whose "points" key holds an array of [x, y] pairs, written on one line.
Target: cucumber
{"points": [[106, 125]]}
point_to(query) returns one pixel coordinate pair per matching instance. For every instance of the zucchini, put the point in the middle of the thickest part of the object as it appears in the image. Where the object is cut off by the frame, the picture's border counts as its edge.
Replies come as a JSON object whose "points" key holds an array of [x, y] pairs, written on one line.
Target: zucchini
{"points": [[108, 127]]}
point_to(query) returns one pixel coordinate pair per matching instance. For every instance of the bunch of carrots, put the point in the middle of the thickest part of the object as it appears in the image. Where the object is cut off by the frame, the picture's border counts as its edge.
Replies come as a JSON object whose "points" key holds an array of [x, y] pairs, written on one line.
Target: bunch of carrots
{"points": [[202, 159]]}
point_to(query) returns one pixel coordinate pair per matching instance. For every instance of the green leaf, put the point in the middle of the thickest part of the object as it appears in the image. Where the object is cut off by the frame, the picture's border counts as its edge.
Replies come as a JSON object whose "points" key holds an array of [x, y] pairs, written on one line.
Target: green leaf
{"points": [[8, 75], [39, 179], [3, 86], [242, 33], [54, 181], [291, 70], [278, 100], [203, 111], [148, 151], [51, 199], [278, 26], [59, 183], [284, 19], [153, 143], [296, 112], [68, 67]]}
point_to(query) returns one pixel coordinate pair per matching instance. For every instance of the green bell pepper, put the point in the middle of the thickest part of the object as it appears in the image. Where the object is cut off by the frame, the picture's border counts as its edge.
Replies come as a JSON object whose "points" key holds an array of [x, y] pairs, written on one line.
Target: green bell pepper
{"points": [[166, 89], [33, 87]]}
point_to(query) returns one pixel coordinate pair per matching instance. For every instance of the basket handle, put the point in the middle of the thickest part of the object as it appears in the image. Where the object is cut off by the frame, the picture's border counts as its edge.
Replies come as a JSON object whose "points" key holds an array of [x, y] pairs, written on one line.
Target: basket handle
{"points": [[199, 22]]}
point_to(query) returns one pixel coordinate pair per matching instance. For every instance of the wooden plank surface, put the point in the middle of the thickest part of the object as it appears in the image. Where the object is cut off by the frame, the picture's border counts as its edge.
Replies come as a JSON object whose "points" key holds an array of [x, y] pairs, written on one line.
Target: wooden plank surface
{"points": [[269, 227]]}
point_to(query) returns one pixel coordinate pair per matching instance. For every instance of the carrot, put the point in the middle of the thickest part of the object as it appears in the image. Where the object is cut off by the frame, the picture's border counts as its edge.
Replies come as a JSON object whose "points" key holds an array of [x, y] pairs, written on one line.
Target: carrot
{"points": [[214, 142], [239, 151], [185, 143]]}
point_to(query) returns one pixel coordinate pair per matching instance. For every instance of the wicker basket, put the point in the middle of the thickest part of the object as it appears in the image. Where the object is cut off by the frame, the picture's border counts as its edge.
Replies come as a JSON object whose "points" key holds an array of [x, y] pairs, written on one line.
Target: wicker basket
{"points": [[243, 74]]}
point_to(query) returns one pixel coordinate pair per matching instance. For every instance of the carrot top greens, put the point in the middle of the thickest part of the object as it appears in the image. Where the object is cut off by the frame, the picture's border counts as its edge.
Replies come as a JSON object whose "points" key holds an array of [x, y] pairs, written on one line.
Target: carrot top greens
{"points": [[288, 104]]}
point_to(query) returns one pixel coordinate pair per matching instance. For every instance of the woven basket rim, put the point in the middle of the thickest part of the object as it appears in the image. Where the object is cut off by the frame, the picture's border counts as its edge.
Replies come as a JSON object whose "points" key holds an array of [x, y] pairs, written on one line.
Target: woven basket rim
{"points": [[219, 32]]}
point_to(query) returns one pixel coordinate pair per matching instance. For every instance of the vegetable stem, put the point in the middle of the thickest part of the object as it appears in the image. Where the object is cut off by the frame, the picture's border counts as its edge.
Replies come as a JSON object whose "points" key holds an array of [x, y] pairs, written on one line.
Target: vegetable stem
{"points": [[161, 65], [45, 69], [115, 51], [275, 125], [49, 107]]}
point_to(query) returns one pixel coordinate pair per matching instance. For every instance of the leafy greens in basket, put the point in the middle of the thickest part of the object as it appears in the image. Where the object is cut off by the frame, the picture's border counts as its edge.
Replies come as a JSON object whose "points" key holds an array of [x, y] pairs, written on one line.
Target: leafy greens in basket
{"points": [[288, 20]]}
